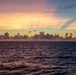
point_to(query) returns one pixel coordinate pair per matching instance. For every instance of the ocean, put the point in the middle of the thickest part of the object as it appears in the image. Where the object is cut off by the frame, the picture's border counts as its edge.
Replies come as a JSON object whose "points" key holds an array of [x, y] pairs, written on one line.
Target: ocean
{"points": [[37, 58]]}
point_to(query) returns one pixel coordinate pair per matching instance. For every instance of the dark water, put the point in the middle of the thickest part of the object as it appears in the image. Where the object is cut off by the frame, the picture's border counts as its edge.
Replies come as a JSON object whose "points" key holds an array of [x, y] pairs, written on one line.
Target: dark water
{"points": [[37, 58]]}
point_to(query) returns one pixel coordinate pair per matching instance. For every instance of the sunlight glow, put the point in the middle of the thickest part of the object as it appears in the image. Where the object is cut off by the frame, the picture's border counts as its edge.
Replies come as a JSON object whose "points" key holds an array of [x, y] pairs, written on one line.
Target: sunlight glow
{"points": [[33, 20]]}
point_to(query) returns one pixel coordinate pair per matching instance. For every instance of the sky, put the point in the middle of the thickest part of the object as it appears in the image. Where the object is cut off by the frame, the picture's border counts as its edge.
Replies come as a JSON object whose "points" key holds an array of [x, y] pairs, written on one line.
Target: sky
{"points": [[50, 16]]}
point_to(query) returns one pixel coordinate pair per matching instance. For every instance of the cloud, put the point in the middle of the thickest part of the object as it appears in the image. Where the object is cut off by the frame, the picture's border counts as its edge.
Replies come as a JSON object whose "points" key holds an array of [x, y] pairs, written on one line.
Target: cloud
{"points": [[25, 14], [64, 26], [7, 6], [68, 7], [72, 26]]}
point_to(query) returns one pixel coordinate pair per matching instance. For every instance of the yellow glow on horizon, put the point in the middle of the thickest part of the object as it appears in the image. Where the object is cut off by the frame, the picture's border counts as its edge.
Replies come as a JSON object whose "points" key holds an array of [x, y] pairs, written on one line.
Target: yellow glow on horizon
{"points": [[21, 21]]}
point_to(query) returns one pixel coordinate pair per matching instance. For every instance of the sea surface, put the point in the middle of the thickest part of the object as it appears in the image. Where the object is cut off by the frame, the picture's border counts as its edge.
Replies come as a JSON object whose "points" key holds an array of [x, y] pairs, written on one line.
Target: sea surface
{"points": [[37, 58]]}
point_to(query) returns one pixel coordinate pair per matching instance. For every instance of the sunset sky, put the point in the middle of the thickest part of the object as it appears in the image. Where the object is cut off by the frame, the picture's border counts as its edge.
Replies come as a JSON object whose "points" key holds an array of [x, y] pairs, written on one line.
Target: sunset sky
{"points": [[50, 16]]}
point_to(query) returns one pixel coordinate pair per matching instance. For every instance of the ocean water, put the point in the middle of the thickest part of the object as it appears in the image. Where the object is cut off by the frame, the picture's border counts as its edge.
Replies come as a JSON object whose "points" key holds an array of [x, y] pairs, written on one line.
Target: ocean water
{"points": [[37, 58]]}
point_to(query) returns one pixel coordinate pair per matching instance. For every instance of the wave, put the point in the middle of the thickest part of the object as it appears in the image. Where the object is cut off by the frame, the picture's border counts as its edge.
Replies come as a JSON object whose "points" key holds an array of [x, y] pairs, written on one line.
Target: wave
{"points": [[24, 68]]}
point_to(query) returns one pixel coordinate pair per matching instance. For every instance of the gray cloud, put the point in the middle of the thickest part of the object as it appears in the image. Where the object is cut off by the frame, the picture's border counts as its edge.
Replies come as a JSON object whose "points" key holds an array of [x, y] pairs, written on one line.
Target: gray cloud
{"points": [[68, 7], [68, 23]]}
